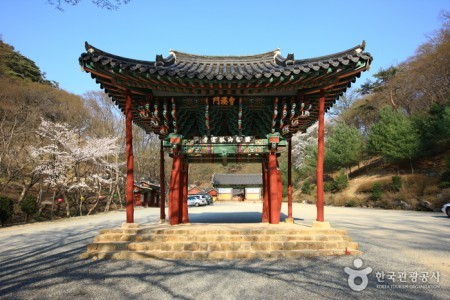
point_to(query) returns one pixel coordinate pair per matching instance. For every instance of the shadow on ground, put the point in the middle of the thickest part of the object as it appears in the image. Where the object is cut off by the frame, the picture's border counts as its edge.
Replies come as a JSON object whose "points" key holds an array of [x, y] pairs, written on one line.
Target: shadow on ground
{"points": [[46, 265], [230, 217]]}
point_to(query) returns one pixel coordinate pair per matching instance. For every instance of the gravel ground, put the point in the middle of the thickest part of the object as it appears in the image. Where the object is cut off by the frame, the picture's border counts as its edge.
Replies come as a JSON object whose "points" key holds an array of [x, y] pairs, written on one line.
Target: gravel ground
{"points": [[41, 260]]}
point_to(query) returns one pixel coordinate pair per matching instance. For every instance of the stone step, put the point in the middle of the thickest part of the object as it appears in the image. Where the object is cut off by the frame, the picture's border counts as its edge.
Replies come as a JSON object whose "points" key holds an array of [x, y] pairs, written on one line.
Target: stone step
{"points": [[235, 246], [257, 241], [195, 231], [218, 246], [108, 246], [219, 238], [216, 255]]}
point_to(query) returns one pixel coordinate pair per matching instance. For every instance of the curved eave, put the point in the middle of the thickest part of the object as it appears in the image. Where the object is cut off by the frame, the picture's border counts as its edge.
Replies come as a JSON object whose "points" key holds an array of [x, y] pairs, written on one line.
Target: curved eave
{"points": [[323, 77], [221, 68], [282, 77]]}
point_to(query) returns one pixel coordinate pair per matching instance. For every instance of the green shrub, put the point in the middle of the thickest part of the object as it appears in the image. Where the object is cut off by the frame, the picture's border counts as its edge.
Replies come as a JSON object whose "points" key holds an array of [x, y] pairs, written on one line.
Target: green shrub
{"points": [[29, 206], [444, 181], [307, 187], [329, 186], [74, 212], [396, 183], [341, 181], [6, 209], [336, 184], [444, 184], [351, 203], [40, 219], [377, 191]]}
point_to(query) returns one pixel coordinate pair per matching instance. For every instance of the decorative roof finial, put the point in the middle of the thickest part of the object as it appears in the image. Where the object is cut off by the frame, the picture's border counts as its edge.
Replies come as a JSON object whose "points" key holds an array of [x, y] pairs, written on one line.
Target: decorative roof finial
{"points": [[159, 60]]}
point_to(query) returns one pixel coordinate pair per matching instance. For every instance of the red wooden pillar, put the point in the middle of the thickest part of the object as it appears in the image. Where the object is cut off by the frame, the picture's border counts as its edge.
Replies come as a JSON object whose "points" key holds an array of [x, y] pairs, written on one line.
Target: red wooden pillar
{"points": [[279, 187], [265, 211], [181, 191], [274, 200], [174, 191], [290, 219], [130, 158], [184, 194], [162, 185], [320, 158]]}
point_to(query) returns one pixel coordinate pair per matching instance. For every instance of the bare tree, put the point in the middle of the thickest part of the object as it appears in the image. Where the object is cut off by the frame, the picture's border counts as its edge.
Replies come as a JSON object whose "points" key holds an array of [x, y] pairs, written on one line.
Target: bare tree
{"points": [[106, 4], [344, 103]]}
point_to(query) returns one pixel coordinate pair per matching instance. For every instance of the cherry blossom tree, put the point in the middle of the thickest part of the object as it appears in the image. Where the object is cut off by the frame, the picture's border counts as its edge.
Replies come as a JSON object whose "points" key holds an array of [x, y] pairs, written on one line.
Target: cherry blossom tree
{"points": [[302, 143], [304, 149], [73, 164]]}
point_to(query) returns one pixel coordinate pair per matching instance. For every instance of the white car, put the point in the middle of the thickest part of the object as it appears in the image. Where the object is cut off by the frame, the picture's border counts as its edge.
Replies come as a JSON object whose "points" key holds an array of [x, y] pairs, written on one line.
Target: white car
{"points": [[446, 209], [208, 198], [196, 201]]}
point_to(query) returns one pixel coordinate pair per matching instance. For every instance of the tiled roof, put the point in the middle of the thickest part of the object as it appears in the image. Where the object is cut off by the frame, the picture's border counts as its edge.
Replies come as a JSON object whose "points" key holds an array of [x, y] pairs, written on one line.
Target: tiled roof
{"points": [[172, 92], [147, 186], [267, 65], [236, 179], [196, 187]]}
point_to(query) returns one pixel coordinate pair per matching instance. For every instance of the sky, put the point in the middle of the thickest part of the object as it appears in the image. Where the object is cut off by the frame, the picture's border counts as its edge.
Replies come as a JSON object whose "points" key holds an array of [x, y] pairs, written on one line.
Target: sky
{"points": [[54, 40]]}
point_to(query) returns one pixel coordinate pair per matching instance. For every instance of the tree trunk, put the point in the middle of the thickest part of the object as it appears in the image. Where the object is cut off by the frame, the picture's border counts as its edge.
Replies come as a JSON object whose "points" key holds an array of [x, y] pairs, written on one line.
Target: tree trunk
{"points": [[80, 206], [25, 188], [53, 204], [95, 205], [23, 192], [39, 200], [110, 197], [391, 98], [119, 196], [67, 205], [97, 200]]}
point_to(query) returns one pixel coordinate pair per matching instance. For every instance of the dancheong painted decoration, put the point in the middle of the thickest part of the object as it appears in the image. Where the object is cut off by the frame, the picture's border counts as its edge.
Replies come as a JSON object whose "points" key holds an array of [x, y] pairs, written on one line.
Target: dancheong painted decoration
{"points": [[225, 109]]}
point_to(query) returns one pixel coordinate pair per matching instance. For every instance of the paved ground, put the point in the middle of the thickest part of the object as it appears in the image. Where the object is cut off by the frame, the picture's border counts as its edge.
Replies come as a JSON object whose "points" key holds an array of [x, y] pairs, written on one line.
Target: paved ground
{"points": [[40, 261]]}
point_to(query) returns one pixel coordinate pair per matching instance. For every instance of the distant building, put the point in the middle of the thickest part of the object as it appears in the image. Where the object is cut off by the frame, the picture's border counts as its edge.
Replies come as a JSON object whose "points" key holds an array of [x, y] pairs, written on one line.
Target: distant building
{"points": [[213, 192], [146, 193], [195, 190], [238, 186]]}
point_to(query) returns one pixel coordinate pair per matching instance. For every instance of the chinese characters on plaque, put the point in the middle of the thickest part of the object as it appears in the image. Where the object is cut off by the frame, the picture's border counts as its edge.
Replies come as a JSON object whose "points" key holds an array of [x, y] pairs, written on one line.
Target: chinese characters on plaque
{"points": [[224, 140], [223, 100]]}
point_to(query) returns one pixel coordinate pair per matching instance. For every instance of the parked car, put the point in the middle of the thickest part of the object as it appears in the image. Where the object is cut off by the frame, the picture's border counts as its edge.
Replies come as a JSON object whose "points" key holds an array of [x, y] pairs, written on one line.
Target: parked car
{"points": [[196, 201], [207, 197], [446, 209]]}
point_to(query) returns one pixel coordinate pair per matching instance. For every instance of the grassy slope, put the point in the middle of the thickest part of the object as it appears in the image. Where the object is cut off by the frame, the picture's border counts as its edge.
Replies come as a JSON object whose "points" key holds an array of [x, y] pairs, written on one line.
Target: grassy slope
{"points": [[419, 191]]}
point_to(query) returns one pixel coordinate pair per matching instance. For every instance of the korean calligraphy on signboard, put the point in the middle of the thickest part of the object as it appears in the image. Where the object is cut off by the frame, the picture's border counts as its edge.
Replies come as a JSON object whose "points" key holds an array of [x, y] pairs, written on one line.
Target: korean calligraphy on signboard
{"points": [[224, 140]]}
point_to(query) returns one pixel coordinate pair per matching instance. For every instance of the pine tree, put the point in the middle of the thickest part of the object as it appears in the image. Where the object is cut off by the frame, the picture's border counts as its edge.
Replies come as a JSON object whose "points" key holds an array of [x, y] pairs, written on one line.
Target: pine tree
{"points": [[343, 147], [394, 137]]}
